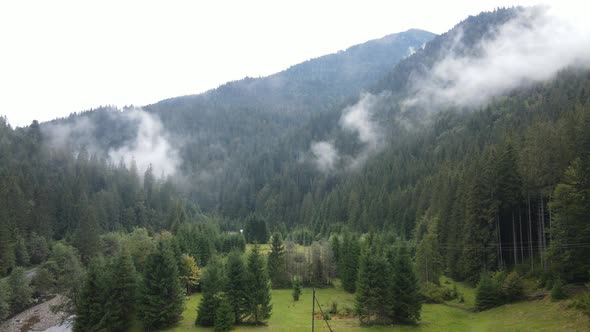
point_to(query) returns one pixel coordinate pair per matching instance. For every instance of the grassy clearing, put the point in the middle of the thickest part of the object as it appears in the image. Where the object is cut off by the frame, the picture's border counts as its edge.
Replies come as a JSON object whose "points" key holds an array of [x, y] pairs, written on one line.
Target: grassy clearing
{"points": [[467, 291], [265, 248], [296, 316]]}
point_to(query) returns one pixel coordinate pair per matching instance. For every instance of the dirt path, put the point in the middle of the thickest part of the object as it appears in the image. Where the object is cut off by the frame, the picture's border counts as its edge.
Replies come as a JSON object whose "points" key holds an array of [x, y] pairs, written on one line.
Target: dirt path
{"points": [[37, 318]]}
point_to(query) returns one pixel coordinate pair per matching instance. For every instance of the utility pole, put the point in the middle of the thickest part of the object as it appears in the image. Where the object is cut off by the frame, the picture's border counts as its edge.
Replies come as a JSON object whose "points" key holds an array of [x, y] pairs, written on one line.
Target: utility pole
{"points": [[313, 311]]}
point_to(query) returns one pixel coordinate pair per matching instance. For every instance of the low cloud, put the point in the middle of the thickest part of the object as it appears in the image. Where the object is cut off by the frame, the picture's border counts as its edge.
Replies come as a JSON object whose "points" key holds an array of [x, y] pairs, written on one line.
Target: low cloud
{"points": [[358, 120], [151, 145], [531, 48], [325, 155], [80, 132]]}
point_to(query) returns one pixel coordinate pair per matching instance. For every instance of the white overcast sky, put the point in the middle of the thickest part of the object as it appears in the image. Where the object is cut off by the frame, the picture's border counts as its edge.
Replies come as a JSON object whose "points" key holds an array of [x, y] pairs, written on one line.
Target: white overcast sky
{"points": [[59, 57]]}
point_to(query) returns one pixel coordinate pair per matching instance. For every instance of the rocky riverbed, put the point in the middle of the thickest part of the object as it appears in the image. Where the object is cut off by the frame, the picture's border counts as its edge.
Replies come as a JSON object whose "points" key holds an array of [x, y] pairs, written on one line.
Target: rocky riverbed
{"points": [[39, 318]]}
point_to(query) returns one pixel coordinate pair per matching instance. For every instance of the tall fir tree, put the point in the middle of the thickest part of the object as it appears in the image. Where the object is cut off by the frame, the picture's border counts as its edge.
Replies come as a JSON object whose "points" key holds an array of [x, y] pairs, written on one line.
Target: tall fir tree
{"points": [[21, 252], [91, 307], [349, 262], [428, 258], [277, 268], [4, 301], [122, 294], [213, 282], [20, 290], [373, 288], [161, 299], [224, 314], [236, 289], [259, 296], [406, 305]]}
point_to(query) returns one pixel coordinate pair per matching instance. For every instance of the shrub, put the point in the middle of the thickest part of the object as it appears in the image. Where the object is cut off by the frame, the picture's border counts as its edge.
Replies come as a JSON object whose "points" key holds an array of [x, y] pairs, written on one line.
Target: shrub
{"points": [[333, 308], [488, 293], [558, 291], [432, 293], [583, 302], [512, 287]]}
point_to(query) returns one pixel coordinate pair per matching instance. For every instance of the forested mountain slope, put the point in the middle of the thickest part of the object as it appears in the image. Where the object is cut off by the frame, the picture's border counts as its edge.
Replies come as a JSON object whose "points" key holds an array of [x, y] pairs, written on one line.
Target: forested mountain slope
{"points": [[484, 174], [214, 132]]}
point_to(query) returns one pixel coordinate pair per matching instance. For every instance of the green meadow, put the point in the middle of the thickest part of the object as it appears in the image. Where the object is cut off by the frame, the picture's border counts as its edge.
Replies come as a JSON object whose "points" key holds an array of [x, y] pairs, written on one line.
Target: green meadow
{"points": [[542, 315]]}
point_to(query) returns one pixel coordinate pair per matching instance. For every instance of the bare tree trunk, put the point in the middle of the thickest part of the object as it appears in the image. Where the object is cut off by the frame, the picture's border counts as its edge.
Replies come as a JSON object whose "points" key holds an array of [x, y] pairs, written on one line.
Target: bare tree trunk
{"points": [[550, 220], [514, 240], [500, 259], [540, 234], [521, 243], [530, 234], [543, 233]]}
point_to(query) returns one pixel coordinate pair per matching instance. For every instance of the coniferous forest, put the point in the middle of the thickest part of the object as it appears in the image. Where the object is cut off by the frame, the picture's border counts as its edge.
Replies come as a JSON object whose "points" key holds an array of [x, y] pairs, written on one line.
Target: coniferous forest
{"points": [[346, 171]]}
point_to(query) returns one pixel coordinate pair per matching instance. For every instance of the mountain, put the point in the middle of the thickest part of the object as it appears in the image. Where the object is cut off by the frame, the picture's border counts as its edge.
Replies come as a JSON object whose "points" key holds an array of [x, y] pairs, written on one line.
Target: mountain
{"points": [[484, 170], [214, 133], [477, 142]]}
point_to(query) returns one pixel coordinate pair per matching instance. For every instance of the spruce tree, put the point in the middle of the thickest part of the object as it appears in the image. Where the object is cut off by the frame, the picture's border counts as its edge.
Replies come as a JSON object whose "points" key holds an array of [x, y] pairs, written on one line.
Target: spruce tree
{"points": [[21, 252], [20, 290], [428, 258], [277, 268], [212, 282], [6, 245], [406, 300], [296, 288], [91, 308], [236, 289], [373, 287], [4, 301], [259, 296], [122, 294], [488, 293], [224, 314], [349, 263], [161, 298]]}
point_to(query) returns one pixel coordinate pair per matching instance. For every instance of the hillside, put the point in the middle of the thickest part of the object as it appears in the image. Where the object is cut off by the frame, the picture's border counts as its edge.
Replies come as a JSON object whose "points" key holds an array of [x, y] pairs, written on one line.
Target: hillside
{"points": [[417, 181], [214, 133]]}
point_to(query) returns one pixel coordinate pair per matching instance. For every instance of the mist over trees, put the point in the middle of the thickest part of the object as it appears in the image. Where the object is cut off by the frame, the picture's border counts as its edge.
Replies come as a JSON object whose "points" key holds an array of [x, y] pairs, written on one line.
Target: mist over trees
{"points": [[484, 192]]}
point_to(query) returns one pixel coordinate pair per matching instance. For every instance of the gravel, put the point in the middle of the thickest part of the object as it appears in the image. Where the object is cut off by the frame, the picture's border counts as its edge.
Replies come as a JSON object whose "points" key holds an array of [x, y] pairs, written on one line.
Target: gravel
{"points": [[39, 318]]}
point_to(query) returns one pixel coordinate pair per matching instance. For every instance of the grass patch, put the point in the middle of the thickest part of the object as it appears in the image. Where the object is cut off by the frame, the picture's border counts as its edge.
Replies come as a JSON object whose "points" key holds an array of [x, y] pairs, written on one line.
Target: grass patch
{"points": [[296, 316], [464, 289]]}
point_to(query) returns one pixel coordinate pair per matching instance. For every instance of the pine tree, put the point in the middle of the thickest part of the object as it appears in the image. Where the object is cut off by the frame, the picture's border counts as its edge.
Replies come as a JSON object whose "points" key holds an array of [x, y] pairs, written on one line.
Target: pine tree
{"points": [[224, 315], [161, 298], [91, 308], [277, 268], [406, 304], [236, 289], [122, 294], [259, 296], [212, 282]]}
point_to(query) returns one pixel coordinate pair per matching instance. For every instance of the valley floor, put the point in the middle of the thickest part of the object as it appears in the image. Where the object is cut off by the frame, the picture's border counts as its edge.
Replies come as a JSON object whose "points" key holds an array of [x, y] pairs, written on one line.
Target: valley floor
{"points": [[542, 315]]}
